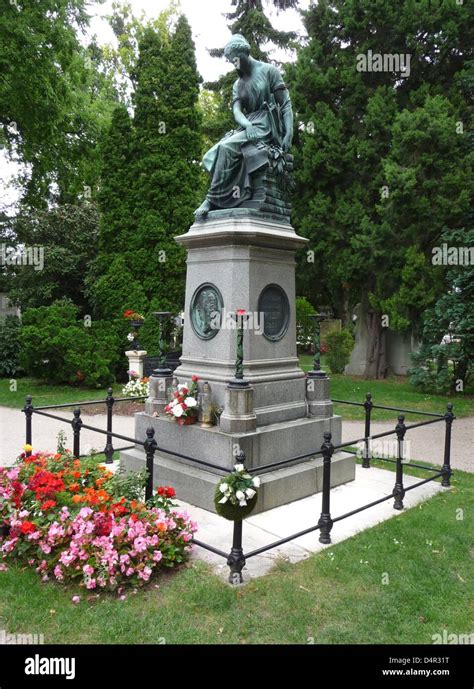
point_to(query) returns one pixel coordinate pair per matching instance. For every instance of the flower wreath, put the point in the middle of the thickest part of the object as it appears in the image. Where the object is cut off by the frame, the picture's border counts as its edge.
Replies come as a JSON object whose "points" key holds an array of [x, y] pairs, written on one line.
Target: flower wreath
{"points": [[236, 494]]}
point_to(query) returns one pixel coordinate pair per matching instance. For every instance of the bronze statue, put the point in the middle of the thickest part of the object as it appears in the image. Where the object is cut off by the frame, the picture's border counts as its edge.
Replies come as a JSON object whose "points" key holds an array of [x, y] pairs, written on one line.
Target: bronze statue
{"points": [[249, 167]]}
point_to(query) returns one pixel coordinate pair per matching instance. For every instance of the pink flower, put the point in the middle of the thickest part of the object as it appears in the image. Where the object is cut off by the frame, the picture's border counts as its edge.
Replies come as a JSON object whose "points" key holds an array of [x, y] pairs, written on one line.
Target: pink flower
{"points": [[76, 599], [145, 574], [8, 546], [139, 544], [88, 569], [157, 555], [91, 584], [33, 536]]}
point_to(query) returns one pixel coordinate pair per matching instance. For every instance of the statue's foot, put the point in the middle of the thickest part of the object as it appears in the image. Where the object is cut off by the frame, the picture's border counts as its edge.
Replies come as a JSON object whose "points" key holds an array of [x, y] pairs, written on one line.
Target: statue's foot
{"points": [[203, 209]]}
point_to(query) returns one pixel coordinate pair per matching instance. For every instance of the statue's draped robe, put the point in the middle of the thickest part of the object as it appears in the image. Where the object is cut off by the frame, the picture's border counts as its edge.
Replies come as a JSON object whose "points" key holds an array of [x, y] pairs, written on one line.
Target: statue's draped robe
{"points": [[231, 161]]}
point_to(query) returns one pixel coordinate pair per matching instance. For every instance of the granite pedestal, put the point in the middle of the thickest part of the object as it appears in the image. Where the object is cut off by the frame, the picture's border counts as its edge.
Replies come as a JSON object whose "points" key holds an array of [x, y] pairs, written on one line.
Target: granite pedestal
{"points": [[239, 258]]}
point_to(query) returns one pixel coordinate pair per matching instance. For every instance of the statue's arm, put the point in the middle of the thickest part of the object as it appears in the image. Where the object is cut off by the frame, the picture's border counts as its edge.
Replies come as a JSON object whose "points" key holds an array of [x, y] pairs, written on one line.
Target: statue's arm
{"points": [[282, 97], [245, 123]]}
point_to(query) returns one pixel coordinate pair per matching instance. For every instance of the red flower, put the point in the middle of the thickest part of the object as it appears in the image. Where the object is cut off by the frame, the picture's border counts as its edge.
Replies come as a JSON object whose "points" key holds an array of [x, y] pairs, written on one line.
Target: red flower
{"points": [[241, 312], [195, 378], [103, 524], [27, 527], [166, 491], [45, 484], [48, 504]]}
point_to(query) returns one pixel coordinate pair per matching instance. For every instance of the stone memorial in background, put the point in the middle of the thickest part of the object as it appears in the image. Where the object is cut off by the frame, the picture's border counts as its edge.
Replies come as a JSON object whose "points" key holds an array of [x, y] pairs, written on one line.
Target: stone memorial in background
{"points": [[399, 347], [241, 258]]}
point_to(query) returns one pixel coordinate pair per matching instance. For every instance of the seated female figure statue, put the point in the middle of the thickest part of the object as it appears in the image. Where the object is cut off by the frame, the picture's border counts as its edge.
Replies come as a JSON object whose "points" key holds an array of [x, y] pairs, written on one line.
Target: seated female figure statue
{"points": [[262, 110]]}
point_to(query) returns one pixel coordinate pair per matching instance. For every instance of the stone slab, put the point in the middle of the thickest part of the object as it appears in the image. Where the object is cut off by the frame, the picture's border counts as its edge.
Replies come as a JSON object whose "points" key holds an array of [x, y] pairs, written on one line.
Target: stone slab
{"points": [[197, 485], [262, 529], [273, 443]]}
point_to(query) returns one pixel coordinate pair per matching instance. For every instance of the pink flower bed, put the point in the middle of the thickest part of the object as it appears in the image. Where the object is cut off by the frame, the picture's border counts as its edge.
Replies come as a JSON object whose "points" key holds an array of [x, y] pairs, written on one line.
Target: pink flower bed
{"points": [[64, 520]]}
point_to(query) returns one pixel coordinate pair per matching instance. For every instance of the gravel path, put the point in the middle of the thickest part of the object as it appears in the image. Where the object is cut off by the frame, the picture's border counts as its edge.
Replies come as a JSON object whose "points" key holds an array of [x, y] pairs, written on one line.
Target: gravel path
{"points": [[426, 442], [45, 430]]}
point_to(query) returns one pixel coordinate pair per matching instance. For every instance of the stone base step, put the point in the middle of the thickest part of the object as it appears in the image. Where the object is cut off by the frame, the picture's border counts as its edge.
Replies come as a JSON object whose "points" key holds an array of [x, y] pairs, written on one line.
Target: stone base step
{"points": [[280, 487]]}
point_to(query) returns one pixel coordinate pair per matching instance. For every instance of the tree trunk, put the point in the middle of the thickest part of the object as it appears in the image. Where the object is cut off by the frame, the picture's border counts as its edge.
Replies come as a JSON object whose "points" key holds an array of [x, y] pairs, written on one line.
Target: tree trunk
{"points": [[376, 366]]}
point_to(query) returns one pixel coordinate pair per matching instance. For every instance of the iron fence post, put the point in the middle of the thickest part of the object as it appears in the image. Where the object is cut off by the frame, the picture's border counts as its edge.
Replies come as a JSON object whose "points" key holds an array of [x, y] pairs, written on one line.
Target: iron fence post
{"points": [[399, 490], [325, 521], [150, 446], [109, 448], [368, 404], [28, 412], [236, 559], [447, 472], [76, 424]]}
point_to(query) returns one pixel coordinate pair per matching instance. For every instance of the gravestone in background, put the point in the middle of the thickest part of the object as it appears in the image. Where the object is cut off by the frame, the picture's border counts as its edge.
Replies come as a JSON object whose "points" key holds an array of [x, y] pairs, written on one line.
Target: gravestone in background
{"points": [[399, 348]]}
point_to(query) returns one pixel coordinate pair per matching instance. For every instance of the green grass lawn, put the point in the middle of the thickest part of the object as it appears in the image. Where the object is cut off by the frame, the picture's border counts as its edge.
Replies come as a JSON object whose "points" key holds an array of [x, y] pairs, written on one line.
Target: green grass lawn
{"points": [[336, 596], [44, 394], [395, 391]]}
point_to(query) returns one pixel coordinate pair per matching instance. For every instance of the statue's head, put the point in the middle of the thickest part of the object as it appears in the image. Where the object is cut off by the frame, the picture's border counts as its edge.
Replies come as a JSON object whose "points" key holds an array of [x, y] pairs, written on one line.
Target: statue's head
{"points": [[237, 51]]}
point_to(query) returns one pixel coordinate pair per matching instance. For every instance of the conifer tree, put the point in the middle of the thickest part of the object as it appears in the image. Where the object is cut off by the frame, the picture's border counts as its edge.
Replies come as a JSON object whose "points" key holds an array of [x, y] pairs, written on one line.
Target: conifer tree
{"points": [[382, 164], [151, 180]]}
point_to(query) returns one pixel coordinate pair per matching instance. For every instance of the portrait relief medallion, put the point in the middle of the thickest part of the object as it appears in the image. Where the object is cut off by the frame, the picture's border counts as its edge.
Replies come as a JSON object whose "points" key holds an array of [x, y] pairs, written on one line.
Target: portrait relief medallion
{"points": [[274, 305], [206, 311]]}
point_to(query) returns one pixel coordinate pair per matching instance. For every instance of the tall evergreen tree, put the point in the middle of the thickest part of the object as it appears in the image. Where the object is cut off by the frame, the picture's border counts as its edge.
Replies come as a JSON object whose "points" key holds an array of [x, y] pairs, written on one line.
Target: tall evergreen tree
{"points": [[116, 178], [382, 163], [151, 181], [168, 149]]}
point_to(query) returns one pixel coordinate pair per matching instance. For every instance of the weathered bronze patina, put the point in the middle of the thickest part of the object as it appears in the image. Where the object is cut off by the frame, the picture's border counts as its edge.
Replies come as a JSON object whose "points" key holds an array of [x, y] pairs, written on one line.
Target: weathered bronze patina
{"points": [[250, 167]]}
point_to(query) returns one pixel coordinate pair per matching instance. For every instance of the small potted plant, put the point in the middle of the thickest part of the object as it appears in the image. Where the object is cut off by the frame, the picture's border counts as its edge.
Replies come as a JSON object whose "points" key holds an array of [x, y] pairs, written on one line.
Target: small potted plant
{"points": [[184, 407], [236, 494]]}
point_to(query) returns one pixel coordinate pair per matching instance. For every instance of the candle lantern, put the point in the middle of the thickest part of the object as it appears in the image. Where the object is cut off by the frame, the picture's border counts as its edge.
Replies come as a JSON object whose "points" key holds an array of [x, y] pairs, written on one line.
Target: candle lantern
{"points": [[205, 406]]}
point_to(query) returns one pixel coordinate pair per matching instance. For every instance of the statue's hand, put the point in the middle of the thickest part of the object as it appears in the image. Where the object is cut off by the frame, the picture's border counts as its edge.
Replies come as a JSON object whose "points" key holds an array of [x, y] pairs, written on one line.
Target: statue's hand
{"points": [[286, 143], [252, 132]]}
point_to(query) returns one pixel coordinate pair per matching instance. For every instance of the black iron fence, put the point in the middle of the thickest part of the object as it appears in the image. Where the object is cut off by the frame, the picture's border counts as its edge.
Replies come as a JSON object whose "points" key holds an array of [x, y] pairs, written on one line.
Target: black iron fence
{"points": [[237, 558]]}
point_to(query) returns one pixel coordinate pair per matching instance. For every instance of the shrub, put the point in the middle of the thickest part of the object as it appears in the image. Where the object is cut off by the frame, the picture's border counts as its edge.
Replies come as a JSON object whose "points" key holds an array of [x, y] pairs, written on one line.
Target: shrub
{"points": [[437, 368], [57, 347], [10, 346], [339, 344], [304, 324]]}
